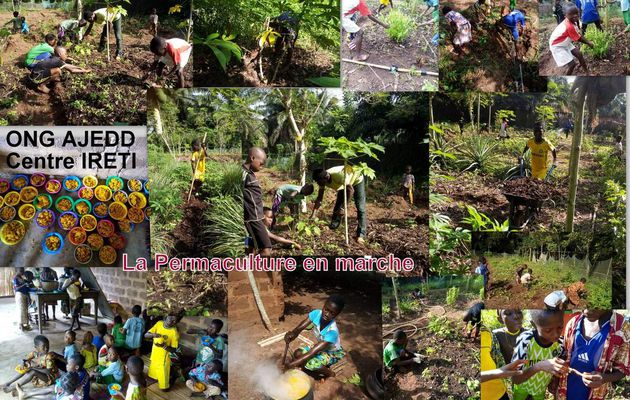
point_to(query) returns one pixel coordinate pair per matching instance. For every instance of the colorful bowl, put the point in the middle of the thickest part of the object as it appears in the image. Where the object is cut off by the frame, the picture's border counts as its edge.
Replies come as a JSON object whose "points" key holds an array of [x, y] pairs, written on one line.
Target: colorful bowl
{"points": [[137, 199], [77, 235], [43, 200], [125, 225], [100, 206], [90, 181], [26, 212], [1, 201], [19, 181], [82, 207], [107, 255], [61, 204], [88, 222], [12, 232], [135, 215], [28, 194], [83, 254], [95, 241], [45, 244], [7, 213], [115, 183], [86, 193], [12, 198], [113, 388], [68, 216], [120, 196], [67, 181], [38, 179], [146, 186], [43, 212], [53, 186], [105, 228], [103, 193], [117, 241], [135, 185], [5, 185], [117, 210]]}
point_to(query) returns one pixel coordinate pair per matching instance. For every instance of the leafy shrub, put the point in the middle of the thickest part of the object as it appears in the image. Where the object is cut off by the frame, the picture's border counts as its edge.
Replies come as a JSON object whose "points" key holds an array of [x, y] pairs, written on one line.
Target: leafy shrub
{"points": [[451, 295], [440, 326], [400, 26], [601, 42], [477, 152], [225, 231]]}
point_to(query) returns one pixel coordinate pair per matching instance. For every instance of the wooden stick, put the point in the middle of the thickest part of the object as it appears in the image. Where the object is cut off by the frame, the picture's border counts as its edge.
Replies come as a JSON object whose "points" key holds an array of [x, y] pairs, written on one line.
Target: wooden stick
{"points": [[392, 68], [573, 371]]}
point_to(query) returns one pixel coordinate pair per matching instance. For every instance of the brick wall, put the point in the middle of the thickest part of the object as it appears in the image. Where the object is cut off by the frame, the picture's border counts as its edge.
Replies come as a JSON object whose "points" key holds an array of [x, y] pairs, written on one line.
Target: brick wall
{"points": [[123, 287], [241, 304]]}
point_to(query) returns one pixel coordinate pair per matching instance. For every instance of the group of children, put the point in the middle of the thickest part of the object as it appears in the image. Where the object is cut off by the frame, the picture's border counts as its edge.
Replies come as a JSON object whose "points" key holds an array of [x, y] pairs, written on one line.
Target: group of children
{"points": [[574, 356], [88, 369], [18, 23]]}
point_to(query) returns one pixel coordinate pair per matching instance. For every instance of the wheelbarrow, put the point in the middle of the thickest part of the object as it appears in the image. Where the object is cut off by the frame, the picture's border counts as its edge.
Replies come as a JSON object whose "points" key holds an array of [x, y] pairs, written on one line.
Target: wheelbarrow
{"points": [[524, 209]]}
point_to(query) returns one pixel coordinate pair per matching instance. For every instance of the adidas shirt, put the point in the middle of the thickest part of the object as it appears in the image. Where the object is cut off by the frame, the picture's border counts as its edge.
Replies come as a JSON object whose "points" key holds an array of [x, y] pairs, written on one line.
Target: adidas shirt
{"points": [[528, 347], [585, 358]]}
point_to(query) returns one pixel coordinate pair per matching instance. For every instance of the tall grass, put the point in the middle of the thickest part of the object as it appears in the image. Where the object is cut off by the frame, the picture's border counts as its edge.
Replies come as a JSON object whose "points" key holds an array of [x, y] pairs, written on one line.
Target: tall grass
{"points": [[225, 230], [400, 25], [477, 152]]}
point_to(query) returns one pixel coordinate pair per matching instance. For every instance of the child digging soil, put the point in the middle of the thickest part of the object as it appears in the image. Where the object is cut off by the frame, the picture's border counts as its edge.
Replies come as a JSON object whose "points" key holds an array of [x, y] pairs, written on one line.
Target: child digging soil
{"points": [[348, 21], [561, 42], [173, 53], [473, 318], [396, 354], [327, 351]]}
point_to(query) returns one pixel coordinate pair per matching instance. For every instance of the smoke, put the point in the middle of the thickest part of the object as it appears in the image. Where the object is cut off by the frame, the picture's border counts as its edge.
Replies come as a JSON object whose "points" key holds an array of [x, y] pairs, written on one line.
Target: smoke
{"points": [[267, 378]]}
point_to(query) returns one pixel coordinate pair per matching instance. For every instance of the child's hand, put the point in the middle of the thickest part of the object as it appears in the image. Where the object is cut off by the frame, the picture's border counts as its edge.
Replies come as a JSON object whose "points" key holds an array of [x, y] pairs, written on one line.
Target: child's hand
{"points": [[512, 369], [593, 381], [296, 246], [289, 336], [589, 43]]}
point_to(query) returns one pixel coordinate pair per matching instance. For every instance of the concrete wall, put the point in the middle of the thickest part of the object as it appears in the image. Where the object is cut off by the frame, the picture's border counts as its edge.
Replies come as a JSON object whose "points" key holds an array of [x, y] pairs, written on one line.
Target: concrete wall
{"points": [[241, 304], [125, 288]]}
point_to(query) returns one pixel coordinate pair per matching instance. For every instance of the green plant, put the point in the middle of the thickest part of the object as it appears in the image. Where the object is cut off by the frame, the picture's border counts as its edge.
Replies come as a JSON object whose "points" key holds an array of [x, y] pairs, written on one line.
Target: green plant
{"points": [[400, 25], [546, 114], [225, 230], [440, 326], [602, 40], [481, 222], [354, 380], [477, 152], [451, 296], [427, 374], [309, 228], [223, 48]]}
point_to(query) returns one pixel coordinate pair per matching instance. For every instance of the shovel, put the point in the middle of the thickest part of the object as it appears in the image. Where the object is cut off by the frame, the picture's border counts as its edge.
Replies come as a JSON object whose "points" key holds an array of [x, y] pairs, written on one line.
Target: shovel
{"points": [[553, 167]]}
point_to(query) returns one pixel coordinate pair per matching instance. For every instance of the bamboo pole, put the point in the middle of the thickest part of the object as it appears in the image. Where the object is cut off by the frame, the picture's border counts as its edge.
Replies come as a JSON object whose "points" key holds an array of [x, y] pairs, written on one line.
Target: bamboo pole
{"points": [[574, 162], [391, 68]]}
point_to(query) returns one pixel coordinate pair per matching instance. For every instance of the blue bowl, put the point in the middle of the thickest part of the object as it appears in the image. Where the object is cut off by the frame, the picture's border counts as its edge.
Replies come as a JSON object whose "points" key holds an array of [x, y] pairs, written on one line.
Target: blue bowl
{"points": [[71, 178], [46, 250]]}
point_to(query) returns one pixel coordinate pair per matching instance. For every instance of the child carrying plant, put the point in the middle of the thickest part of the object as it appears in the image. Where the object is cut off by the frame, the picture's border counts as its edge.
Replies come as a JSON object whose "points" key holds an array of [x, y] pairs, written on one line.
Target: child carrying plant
{"points": [[137, 387], [539, 346], [254, 215], [291, 195], [327, 351], [473, 317], [396, 355], [205, 379], [596, 344], [134, 330], [153, 22], [211, 345], [408, 184], [165, 340], [173, 53], [15, 22], [460, 28], [561, 41], [484, 270], [269, 218], [506, 336], [336, 178], [89, 351], [540, 148], [348, 18], [39, 366]]}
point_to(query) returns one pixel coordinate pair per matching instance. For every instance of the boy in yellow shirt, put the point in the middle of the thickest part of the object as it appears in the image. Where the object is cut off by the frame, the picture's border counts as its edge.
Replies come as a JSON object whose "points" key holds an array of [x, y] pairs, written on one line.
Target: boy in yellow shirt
{"points": [[198, 163], [540, 148]]}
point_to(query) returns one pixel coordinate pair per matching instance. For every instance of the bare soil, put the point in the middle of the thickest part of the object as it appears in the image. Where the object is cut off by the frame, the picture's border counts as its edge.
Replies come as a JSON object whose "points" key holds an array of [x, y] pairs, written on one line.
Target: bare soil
{"points": [[113, 93], [616, 63], [359, 326], [416, 52]]}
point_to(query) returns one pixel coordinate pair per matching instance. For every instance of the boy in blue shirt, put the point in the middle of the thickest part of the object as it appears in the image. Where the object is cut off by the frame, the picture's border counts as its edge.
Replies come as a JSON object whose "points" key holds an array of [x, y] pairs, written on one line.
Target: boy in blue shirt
{"points": [[134, 330], [515, 20], [70, 348], [327, 351], [589, 14]]}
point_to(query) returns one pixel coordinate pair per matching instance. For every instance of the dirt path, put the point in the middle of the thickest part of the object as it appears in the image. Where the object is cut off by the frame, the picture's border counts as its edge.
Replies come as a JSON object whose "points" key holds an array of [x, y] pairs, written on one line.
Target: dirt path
{"points": [[616, 63], [359, 325], [416, 52], [393, 226]]}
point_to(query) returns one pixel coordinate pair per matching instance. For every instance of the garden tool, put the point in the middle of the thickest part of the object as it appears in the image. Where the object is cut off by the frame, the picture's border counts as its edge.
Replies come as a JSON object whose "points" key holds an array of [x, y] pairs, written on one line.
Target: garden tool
{"points": [[553, 167], [284, 355], [192, 184], [521, 166]]}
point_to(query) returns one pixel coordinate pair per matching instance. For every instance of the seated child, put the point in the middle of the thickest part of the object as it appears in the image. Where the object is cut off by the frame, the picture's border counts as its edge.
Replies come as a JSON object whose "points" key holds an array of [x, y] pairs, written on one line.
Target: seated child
{"points": [[212, 344], [104, 350], [473, 317], [112, 373], [460, 28], [396, 355], [24, 27], [88, 351], [409, 183], [15, 22], [348, 10], [539, 346], [39, 366], [561, 41], [327, 351], [99, 339], [118, 333], [527, 278], [70, 348], [82, 392], [268, 221], [137, 388], [205, 379], [134, 330], [291, 195], [173, 53], [506, 336]]}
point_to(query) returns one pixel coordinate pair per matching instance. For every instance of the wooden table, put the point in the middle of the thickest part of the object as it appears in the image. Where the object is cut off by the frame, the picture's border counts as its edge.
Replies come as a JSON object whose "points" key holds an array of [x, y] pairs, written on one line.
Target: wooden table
{"points": [[55, 296]]}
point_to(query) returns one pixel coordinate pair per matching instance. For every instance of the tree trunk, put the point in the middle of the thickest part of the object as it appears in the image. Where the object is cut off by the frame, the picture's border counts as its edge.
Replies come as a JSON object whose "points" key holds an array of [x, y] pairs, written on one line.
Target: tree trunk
{"points": [[431, 109], [478, 112], [301, 155], [107, 29], [80, 9], [190, 23], [489, 117], [345, 201], [395, 286], [574, 162]]}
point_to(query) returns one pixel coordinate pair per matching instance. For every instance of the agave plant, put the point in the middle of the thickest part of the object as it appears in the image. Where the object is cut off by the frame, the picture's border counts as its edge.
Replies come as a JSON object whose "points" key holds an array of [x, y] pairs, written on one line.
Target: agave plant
{"points": [[477, 152]]}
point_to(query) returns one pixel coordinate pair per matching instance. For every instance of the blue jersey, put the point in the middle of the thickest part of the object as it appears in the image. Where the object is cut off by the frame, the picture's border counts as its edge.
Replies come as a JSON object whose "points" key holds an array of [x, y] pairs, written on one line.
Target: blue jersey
{"points": [[584, 358], [512, 20], [588, 9]]}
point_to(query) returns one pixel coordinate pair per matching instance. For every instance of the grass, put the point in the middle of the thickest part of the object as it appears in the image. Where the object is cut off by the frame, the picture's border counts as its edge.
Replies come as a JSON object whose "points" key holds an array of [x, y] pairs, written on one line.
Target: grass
{"points": [[602, 40], [400, 25]]}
